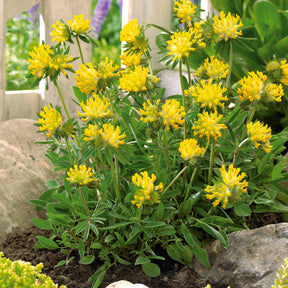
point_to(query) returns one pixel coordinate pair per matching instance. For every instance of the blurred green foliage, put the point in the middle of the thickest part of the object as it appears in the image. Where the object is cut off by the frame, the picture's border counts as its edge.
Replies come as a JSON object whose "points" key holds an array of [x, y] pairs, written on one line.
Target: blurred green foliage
{"points": [[109, 38], [21, 37]]}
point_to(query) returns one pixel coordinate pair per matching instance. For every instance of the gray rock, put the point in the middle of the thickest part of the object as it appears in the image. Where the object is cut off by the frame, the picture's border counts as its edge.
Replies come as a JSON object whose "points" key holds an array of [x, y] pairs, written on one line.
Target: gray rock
{"points": [[252, 259], [24, 170]]}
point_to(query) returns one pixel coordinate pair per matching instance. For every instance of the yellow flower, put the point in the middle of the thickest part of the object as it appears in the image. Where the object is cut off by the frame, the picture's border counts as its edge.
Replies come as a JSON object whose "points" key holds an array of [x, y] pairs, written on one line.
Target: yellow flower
{"points": [[190, 149], [208, 125], [148, 194], [79, 25], [50, 120], [232, 179], [87, 78], [172, 113], [213, 69], [230, 185], [181, 44], [220, 192], [106, 72], [185, 11], [92, 133], [273, 92], [134, 37], [284, 72], [95, 108], [208, 94], [130, 31], [252, 86], [150, 111], [58, 63], [130, 59], [227, 26], [60, 33], [260, 135], [134, 81], [205, 29], [112, 135], [80, 175], [41, 57]]}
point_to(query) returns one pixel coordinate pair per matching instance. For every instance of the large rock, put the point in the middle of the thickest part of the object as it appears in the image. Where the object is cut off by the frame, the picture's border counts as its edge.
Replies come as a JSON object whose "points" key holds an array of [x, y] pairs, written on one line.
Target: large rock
{"points": [[24, 170], [252, 259]]}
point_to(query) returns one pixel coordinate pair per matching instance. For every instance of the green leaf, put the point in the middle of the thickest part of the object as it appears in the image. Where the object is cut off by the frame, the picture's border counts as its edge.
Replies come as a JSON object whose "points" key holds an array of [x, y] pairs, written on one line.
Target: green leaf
{"points": [[42, 224], [276, 172], [242, 209], [216, 234], [87, 259], [47, 243], [199, 253], [151, 269], [59, 218], [52, 184], [142, 260], [167, 230]]}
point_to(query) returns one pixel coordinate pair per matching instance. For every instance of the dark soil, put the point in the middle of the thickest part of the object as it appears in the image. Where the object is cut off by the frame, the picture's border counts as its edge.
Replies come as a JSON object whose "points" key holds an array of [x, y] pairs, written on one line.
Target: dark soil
{"points": [[21, 245]]}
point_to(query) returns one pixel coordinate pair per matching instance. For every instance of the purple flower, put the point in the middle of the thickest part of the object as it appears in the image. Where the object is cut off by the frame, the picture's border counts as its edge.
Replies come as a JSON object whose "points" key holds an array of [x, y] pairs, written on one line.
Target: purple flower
{"points": [[100, 14], [120, 6]]}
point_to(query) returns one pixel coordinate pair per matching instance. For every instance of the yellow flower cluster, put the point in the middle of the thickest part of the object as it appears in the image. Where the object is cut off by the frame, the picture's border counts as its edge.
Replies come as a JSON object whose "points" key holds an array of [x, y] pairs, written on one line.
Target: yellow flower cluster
{"points": [[23, 274], [44, 62], [184, 42], [80, 175], [208, 94], [132, 33], [111, 135], [108, 134], [284, 72], [230, 186], [213, 69], [87, 78], [95, 108], [226, 27], [50, 119], [150, 112], [185, 11], [130, 59], [208, 125], [148, 193], [60, 33], [252, 86], [79, 25], [172, 113], [190, 149], [134, 80], [273, 92], [260, 135]]}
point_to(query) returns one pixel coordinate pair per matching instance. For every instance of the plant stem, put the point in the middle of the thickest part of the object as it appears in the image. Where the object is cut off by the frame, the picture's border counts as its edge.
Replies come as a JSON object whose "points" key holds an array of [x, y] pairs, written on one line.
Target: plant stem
{"points": [[115, 178], [110, 99], [188, 71], [62, 100], [80, 50], [172, 182], [211, 164], [166, 148], [230, 63], [83, 201], [149, 63], [194, 173], [183, 97]]}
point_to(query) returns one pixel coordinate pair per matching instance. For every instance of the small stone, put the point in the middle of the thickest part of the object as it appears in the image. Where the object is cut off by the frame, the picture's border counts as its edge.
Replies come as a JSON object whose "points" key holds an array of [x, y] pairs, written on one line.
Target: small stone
{"points": [[125, 284]]}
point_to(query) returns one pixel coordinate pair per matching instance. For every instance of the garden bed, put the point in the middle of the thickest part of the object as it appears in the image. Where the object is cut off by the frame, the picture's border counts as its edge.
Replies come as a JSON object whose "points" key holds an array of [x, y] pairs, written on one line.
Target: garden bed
{"points": [[21, 245]]}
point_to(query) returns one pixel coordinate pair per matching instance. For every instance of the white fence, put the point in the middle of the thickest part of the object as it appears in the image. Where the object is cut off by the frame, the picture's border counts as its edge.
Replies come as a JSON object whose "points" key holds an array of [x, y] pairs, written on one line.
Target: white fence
{"points": [[25, 104]]}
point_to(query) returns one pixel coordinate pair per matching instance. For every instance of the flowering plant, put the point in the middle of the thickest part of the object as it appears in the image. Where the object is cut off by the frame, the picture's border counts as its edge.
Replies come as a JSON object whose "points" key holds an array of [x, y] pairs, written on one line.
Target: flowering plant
{"points": [[23, 274], [143, 174]]}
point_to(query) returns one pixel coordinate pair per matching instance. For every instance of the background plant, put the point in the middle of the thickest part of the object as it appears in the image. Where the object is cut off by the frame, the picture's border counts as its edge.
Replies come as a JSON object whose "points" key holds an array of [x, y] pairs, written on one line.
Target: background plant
{"points": [[146, 178], [23, 274]]}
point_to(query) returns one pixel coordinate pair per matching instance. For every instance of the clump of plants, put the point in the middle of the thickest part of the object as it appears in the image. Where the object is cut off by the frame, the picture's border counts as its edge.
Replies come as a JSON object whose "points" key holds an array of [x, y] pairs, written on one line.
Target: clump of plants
{"points": [[23, 274], [143, 175]]}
